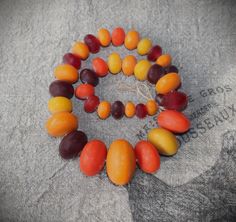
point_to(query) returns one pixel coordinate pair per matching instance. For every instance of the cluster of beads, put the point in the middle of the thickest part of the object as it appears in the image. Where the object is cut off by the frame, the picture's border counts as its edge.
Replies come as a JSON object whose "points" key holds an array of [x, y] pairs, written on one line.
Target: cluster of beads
{"points": [[94, 153]]}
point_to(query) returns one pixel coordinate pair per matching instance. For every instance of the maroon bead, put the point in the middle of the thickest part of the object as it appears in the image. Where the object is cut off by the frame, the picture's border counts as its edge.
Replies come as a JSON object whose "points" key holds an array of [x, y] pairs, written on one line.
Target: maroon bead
{"points": [[92, 42], [89, 76], [72, 144], [61, 88], [117, 110], [171, 69], [72, 59], [154, 53], [155, 73], [141, 111], [91, 104]]}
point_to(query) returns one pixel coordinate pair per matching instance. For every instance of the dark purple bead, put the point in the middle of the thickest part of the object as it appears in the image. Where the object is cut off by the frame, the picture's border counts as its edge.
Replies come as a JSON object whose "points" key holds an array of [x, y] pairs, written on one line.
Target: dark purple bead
{"points": [[155, 73], [154, 53], [117, 110], [89, 76], [171, 69], [61, 88]]}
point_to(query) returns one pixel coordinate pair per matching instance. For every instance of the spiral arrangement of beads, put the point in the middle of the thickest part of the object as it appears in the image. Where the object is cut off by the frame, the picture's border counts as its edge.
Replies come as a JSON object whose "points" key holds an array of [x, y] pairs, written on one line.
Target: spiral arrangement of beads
{"points": [[121, 157]]}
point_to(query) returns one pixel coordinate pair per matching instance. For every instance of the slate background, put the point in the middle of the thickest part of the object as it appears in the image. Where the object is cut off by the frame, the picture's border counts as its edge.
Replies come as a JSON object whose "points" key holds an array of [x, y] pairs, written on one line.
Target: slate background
{"points": [[198, 184]]}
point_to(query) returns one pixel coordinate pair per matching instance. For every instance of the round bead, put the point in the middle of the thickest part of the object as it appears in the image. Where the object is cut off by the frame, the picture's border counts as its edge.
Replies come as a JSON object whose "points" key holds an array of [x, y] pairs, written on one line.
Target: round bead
{"points": [[61, 88], [100, 67], [164, 60], [114, 63], [72, 144], [155, 73], [89, 76], [131, 40], [104, 37], [118, 36], [104, 110], [72, 59], [141, 69], [83, 91], [117, 110], [129, 109], [92, 42], [128, 65], [141, 111], [80, 49], [154, 53], [59, 104], [144, 46], [67, 73]]}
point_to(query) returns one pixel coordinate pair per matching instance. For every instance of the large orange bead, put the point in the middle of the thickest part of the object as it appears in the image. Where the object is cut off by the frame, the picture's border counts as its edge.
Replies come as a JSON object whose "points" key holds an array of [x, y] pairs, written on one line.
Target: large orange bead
{"points": [[128, 65], [67, 73], [104, 37], [164, 60], [131, 40], [80, 49]]}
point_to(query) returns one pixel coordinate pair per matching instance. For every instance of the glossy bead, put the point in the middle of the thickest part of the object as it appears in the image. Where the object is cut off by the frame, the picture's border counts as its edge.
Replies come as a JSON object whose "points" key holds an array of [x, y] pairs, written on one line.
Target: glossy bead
{"points": [[155, 73], [144, 46], [92, 42], [100, 67], [170, 69], [141, 111], [164, 60], [83, 91], [141, 70], [114, 63], [91, 104], [60, 124], [59, 104], [104, 37], [61, 88], [72, 59], [129, 109], [89, 76], [118, 36], [67, 73], [152, 107], [80, 49], [174, 121], [104, 110], [117, 110], [128, 65], [175, 100], [154, 53], [131, 39], [72, 144], [168, 83]]}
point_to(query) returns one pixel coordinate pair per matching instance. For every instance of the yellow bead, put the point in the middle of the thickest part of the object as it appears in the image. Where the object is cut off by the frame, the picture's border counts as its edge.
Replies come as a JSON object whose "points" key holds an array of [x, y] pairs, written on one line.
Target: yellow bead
{"points": [[59, 104], [141, 69], [114, 63], [144, 46]]}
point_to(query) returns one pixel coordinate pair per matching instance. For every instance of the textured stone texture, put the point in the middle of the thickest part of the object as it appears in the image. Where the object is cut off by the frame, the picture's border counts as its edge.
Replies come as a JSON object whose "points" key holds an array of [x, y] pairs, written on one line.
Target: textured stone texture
{"points": [[195, 185]]}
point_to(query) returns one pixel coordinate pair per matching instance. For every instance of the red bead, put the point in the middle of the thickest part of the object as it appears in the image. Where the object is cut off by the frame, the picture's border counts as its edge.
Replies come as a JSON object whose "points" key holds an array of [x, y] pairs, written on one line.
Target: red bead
{"points": [[154, 53], [141, 111], [91, 104], [72, 59], [92, 42]]}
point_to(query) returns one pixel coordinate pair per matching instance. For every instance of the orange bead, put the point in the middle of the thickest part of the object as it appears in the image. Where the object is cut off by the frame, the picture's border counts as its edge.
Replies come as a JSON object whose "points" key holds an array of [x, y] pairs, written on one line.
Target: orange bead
{"points": [[174, 121], [128, 65], [67, 73], [104, 37], [129, 109], [152, 107], [83, 91], [118, 36], [80, 49], [168, 83], [131, 40], [164, 60], [100, 67], [60, 124], [104, 109]]}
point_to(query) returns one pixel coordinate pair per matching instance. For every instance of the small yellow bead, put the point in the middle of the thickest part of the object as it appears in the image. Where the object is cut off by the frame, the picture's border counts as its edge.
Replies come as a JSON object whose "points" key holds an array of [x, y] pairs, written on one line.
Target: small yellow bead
{"points": [[144, 46], [141, 69], [59, 104], [114, 63]]}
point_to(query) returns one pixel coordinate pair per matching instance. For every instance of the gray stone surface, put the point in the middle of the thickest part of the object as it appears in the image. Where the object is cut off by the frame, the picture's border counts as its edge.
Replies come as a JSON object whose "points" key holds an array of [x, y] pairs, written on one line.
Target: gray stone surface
{"points": [[198, 184]]}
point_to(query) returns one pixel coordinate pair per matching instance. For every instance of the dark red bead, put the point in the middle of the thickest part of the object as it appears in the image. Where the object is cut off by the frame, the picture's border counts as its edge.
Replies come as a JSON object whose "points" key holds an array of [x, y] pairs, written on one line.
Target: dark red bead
{"points": [[89, 76], [72, 59], [155, 73], [154, 53], [61, 88], [171, 69], [141, 111], [92, 42], [91, 104], [117, 110], [72, 144]]}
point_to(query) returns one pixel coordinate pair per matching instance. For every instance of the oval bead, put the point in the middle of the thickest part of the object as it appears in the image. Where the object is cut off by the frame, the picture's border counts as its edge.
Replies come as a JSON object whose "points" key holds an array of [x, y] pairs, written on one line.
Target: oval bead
{"points": [[164, 60], [61, 88], [114, 63], [141, 70], [59, 104], [100, 67], [67, 73], [104, 110], [118, 36], [165, 141], [144, 46], [131, 39], [120, 162], [60, 124], [80, 49], [104, 37], [168, 83], [128, 65], [130, 109], [83, 91], [174, 121]]}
